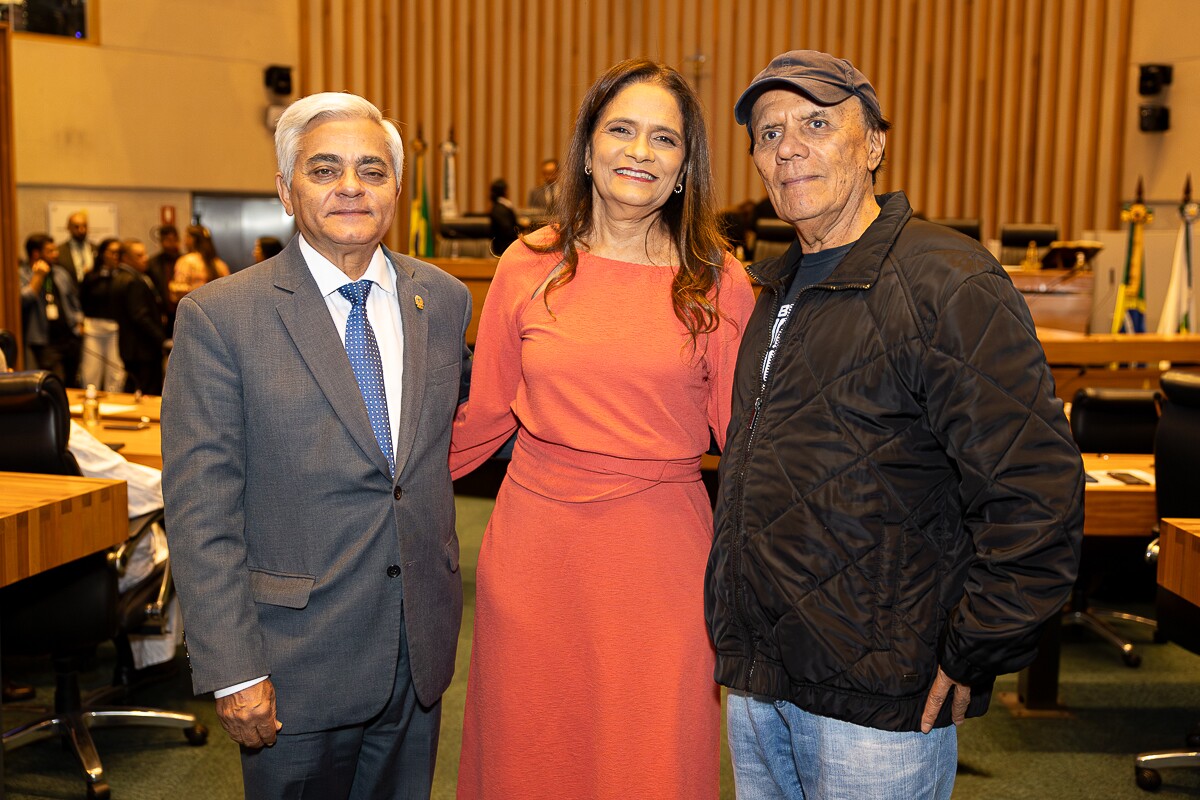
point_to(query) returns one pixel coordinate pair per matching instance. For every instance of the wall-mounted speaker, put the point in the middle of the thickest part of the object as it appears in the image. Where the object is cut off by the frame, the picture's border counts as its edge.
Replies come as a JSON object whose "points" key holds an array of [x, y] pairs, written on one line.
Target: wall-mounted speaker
{"points": [[1154, 119], [1152, 78], [279, 79]]}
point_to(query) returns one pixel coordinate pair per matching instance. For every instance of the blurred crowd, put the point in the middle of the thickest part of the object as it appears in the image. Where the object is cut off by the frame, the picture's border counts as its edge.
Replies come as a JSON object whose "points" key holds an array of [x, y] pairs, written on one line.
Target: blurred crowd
{"points": [[102, 314]]}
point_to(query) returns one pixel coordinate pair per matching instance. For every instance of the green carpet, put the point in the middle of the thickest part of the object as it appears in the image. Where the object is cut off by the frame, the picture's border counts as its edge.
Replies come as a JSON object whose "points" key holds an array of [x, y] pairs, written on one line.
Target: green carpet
{"points": [[1116, 712]]}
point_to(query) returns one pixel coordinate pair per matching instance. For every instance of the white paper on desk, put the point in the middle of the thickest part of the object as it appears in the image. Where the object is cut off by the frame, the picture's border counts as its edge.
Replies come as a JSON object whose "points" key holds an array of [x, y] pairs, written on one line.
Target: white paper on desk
{"points": [[1103, 479], [106, 409]]}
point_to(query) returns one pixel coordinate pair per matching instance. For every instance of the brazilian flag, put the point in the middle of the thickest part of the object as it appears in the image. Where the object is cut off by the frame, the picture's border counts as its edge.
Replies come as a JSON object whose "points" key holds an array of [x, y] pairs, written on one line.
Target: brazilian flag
{"points": [[420, 230]]}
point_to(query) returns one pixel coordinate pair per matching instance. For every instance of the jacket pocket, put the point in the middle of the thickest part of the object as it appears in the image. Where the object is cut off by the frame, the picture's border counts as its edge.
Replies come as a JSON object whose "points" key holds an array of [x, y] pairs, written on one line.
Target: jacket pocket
{"points": [[444, 373], [280, 588], [451, 550], [827, 636]]}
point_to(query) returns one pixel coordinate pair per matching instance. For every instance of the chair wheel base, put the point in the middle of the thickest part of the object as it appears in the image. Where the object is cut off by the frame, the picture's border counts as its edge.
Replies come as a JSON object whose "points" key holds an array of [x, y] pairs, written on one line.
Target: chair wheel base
{"points": [[1148, 779], [1132, 660], [98, 791], [196, 735]]}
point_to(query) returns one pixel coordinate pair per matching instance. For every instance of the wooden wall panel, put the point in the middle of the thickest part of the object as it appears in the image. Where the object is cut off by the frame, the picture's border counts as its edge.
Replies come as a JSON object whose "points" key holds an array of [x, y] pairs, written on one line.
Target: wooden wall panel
{"points": [[10, 285], [1006, 110]]}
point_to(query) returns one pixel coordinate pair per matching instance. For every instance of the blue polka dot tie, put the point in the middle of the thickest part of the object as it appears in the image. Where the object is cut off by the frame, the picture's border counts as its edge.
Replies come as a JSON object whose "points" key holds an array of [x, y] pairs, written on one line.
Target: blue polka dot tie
{"points": [[363, 349]]}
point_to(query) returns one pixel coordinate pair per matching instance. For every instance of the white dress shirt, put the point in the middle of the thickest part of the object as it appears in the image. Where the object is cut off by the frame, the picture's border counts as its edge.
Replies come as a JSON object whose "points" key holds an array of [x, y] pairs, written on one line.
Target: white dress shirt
{"points": [[383, 312], [81, 256]]}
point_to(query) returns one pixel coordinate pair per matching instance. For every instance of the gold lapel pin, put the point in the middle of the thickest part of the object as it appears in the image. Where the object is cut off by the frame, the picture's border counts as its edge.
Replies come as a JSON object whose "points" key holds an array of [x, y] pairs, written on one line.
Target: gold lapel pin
{"points": [[420, 301]]}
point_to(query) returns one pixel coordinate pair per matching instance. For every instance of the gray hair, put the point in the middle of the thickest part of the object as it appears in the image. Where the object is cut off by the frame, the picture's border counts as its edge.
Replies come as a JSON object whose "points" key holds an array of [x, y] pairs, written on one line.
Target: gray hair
{"points": [[326, 106]]}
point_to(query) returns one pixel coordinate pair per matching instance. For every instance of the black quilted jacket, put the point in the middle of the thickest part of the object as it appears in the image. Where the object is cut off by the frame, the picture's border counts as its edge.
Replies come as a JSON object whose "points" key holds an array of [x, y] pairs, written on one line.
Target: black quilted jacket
{"points": [[901, 492]]}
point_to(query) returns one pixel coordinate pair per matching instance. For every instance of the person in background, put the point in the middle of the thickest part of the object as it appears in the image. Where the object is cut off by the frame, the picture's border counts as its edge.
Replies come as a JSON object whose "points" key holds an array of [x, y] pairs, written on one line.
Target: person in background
{"points": [[51, 312], [198, 266], [77, 254], [607, 344], [306, 427], [101, 364], [503, 217], [266, 247], [900, 503], [8, 349], [140, 318], [542, 196], [161, 268]]}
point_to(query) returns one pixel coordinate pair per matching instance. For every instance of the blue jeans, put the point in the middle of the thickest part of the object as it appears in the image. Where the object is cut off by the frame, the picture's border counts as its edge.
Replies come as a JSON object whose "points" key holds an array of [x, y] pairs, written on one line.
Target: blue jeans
{"points": [[780, 751]]}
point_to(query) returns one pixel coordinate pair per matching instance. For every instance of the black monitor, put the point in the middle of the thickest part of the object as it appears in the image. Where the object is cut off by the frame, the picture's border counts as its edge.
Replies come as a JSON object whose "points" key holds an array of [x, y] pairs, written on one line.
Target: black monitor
{"points": [[774, 230], [473, 226]]}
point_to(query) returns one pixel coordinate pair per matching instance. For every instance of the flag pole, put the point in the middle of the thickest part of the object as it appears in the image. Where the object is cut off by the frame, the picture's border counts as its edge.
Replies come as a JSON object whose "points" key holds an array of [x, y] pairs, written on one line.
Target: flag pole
{"points": [[1129, 314]]}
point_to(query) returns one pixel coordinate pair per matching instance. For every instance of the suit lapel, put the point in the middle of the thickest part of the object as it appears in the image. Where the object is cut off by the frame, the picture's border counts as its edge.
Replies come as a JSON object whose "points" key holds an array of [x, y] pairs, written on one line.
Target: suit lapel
{"points": [[307, 320], [415, 321]]}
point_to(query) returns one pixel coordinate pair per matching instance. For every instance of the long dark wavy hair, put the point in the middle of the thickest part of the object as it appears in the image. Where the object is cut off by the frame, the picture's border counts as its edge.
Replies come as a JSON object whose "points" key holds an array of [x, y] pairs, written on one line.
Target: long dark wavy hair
{"points": [[202, 243], [690, 217]]}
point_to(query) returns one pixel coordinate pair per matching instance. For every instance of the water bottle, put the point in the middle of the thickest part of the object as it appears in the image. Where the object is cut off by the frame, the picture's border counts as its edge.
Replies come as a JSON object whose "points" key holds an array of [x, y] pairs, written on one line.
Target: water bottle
{"points": [[91, 406]]}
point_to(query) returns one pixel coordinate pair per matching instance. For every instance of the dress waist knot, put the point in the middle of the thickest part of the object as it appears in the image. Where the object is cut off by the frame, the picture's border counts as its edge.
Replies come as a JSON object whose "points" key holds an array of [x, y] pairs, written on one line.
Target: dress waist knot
{"points": [[580, 476]]}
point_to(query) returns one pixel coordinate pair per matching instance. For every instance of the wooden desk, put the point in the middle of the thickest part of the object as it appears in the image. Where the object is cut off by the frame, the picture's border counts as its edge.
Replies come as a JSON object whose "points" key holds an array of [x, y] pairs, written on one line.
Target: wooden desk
{"points": [[147, 406], [139, 446], [1057, 298], [1111, 360], [1179, 558], [48, 520], [477, 274], [1118, 510]]}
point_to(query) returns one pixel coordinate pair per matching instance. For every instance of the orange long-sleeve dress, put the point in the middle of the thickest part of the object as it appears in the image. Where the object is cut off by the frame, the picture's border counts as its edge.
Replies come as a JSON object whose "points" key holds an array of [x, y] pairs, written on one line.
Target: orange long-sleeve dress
{"points": [[591, 669]]}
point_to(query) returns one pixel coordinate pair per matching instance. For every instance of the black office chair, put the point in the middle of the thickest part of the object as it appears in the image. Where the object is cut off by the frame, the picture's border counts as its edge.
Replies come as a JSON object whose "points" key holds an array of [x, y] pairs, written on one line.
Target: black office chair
{"points": [[1110, 421], [1175, 448], [1114, 420], [8, 346], [772, 237], [69, 610], [1016, 237], [967, 226]]}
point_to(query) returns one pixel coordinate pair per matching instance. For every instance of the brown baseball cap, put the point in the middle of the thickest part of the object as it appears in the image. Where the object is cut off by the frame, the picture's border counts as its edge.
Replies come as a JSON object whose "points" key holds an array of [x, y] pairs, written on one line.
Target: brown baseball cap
{"points": [[824, 79]]}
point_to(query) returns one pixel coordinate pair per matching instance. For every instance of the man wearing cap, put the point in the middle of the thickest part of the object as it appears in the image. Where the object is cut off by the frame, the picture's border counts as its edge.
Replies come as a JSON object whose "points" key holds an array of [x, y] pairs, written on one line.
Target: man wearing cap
{"points": [[901, 501]]}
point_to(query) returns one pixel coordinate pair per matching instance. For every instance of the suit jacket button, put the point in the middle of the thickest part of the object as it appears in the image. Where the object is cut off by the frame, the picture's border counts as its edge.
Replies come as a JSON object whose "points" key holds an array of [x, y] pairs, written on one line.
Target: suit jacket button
{"points": [[394, 571], [397, 493]]}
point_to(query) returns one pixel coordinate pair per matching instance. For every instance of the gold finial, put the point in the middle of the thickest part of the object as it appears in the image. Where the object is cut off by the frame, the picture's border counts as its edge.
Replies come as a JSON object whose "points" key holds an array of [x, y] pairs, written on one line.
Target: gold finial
{"points": [[1031, 260]]}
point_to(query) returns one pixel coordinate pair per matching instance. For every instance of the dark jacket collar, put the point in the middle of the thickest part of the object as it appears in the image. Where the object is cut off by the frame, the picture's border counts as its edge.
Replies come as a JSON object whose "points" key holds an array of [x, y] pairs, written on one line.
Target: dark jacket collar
{"points": [[861, 265]]}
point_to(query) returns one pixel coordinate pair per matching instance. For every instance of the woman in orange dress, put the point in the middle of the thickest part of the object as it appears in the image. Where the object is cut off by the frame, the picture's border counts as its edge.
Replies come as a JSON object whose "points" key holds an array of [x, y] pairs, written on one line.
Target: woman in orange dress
{"points": [[198, 266], [607, 343]]}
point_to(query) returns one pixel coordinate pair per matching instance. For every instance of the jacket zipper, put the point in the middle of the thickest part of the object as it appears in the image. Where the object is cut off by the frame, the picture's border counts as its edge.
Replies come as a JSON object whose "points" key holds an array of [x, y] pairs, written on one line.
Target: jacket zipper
{"points": [[739, 531]]}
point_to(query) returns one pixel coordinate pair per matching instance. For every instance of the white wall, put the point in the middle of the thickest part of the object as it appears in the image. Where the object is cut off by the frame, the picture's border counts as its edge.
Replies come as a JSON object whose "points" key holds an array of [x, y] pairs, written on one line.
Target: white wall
{"points": [[169, 99], [1165, 32]]}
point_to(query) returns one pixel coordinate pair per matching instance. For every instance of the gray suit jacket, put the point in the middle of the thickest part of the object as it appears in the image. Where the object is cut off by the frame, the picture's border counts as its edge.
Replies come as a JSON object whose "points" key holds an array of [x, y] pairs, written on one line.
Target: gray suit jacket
{"points": [[281, 517]]}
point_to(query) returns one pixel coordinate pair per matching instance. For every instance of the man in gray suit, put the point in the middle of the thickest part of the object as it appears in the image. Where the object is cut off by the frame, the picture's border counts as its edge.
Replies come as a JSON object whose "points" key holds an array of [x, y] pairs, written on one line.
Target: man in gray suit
{"points": [[312, 530]]}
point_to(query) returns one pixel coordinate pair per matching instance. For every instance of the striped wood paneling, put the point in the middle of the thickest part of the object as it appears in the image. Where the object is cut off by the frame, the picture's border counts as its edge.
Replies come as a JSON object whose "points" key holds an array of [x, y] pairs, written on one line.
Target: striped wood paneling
{"points": [[1006, 110], [10, 286]]}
